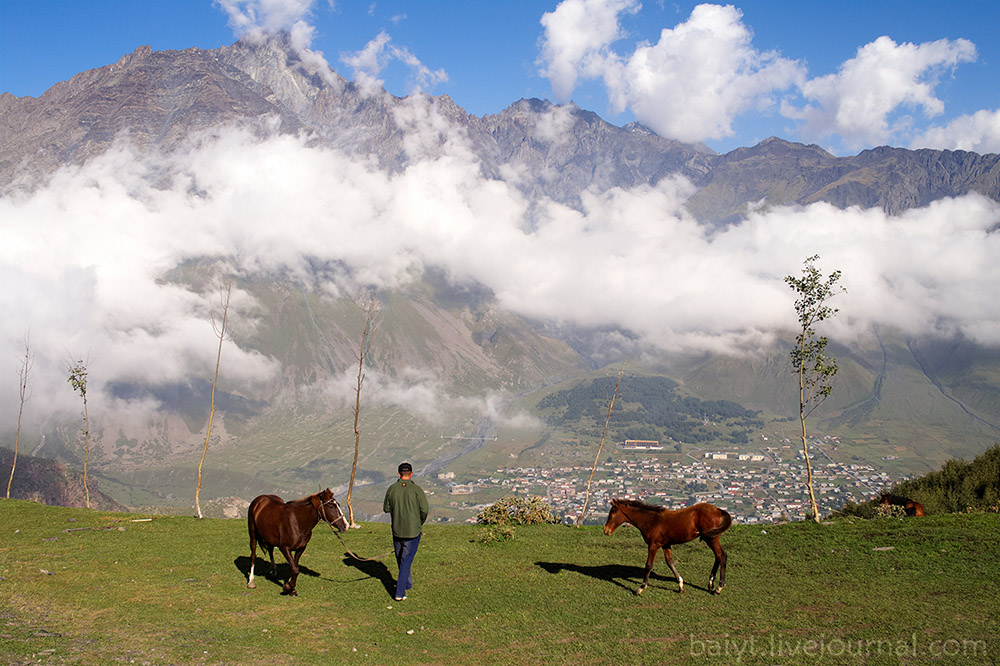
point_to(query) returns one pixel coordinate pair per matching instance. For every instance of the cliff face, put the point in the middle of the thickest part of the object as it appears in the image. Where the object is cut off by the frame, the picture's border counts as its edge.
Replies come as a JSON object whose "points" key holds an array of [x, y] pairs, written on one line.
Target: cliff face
{"points": [[52, 483]]}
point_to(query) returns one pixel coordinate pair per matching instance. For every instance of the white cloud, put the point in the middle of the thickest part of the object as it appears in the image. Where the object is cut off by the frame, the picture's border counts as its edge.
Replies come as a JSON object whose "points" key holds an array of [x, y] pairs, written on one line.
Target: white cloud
{"points": [[368, 63], [689, 85], [857, 103], [258, 20], [577, 36], [264, 17], [554, 125], [84, 259], [701, 76], [979, 133], [377, 54], [414, 390]]}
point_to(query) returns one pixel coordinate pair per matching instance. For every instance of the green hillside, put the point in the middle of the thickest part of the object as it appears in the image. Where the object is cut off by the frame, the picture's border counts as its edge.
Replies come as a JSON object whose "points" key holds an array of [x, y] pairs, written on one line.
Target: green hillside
{"points": [[649, 408], [958, 486], [86, 588], [456, 384]]}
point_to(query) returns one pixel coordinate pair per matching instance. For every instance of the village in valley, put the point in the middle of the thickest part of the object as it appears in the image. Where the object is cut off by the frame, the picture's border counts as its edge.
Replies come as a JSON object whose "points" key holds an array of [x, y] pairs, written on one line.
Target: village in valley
{"points": [[764, 486]]}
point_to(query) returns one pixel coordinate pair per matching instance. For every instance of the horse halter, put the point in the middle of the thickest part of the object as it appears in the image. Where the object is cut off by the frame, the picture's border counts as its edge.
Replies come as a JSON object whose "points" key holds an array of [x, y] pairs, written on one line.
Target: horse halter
{"points": [[321, 512]]}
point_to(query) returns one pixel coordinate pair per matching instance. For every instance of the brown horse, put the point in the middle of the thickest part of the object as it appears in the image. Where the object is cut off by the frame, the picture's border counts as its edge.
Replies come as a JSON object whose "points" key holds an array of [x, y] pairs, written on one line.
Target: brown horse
{"points": [[663, 528], [288, 526], [910, 507]]}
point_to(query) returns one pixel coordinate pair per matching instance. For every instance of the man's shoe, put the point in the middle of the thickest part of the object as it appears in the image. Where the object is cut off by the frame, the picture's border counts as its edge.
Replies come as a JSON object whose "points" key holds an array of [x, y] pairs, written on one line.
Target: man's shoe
{"points": [[401, 598]]}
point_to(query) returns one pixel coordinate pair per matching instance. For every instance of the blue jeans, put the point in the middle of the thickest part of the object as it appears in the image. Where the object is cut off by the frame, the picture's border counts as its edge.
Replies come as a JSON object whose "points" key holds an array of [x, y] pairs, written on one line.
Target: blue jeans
{"points": [[406, 550]]}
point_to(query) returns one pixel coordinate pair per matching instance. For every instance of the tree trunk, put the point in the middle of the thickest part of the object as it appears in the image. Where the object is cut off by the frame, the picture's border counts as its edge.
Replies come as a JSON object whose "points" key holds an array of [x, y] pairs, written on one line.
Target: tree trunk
{"points": [[370, 312], [86, 450], [211, 412], [22, 391], [805, 444], [607, 419]]}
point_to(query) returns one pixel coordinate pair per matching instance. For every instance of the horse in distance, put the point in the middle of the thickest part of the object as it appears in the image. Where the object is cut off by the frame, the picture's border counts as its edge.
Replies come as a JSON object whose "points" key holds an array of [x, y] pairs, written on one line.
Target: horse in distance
{"points": [[911, 508], [663, 528], [288, 526]]}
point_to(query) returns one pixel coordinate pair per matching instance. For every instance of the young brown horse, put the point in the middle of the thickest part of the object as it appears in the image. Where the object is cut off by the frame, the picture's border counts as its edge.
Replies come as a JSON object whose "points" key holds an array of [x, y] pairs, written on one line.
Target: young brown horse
{"points": [[910, 507], [663, 528], [288, 526]]}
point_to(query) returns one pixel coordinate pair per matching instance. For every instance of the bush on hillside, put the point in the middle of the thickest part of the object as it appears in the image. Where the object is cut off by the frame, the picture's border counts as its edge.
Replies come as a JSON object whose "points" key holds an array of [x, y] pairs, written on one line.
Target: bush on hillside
{"points": [[890, 511], [958, 487], [517, 511], [501, 517]]}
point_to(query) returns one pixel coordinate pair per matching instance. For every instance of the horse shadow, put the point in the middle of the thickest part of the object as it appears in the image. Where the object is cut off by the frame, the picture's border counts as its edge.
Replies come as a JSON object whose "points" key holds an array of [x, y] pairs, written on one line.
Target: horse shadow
{"points": [[618, 574], [374, 569], [263, 569]]}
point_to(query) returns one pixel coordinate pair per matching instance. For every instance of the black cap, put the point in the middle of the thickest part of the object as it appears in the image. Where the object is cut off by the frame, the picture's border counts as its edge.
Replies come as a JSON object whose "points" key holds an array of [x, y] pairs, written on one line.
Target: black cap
{"points": [[405, 468]]}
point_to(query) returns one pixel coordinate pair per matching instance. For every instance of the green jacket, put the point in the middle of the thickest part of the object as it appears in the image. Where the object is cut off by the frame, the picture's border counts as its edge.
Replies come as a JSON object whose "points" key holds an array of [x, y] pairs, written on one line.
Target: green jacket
{"points": [[407, 503]]}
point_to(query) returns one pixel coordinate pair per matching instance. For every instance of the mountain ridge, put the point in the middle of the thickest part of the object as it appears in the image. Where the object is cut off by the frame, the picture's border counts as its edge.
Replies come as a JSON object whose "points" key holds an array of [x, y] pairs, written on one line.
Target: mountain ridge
{"points": [[161, 96]]}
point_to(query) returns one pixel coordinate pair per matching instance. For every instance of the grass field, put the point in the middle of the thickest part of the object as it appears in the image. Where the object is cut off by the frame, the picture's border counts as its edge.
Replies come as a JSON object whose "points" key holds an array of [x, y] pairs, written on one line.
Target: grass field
{"points": [[82, 587]]}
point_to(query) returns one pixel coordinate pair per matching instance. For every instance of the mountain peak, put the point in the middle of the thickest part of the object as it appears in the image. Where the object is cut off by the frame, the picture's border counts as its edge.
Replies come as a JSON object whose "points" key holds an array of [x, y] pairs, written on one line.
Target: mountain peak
{"points": [[138, 55]]}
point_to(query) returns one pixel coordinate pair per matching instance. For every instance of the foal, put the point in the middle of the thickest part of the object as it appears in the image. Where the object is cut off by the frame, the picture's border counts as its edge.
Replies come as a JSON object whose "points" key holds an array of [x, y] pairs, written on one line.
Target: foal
{"points": [[663, 528]]}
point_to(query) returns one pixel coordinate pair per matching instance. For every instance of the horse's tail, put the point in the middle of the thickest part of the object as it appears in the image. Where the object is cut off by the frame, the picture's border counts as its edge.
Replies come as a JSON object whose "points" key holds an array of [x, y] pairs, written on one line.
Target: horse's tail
{"points": [[725, 520]]}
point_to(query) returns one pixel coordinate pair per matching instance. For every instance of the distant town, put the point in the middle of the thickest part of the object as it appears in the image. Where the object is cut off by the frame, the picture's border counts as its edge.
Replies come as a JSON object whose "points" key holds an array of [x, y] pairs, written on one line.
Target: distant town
{"points": [[765, 486]]}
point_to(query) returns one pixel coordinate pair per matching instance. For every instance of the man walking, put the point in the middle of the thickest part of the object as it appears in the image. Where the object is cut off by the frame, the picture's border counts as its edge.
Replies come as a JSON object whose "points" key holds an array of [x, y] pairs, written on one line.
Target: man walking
{"points": [[407, 504]]}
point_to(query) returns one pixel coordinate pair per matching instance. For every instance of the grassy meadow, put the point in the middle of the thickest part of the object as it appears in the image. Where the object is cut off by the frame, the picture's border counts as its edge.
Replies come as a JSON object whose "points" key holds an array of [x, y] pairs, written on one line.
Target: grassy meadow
{"points": [[84, 587]]}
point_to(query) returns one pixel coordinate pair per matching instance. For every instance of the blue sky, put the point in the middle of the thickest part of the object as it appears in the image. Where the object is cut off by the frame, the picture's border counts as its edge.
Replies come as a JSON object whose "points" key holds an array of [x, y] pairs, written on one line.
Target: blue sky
{"points": [[795, 71]]}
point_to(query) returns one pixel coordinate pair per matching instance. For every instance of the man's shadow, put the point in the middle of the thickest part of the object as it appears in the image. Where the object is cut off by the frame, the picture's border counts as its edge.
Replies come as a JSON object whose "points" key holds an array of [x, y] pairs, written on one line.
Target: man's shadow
{"points": [[619, 574], [373, 569], [263, 569]]}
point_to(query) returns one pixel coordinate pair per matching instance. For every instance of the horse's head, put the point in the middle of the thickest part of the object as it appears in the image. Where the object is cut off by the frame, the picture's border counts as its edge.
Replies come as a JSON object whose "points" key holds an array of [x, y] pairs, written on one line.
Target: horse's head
{"points": [[615, 517], [330, 511]]}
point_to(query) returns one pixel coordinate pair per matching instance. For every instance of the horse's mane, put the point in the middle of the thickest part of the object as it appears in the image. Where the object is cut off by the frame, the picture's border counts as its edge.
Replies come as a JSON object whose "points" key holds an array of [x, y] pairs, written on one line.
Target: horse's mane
{"points": [[306, 499], [638, 504]]}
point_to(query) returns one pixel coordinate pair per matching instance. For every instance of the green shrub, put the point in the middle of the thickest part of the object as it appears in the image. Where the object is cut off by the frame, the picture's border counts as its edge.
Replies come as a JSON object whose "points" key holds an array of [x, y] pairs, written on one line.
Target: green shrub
{"points": [[864, 510], [496, 534], [890, 511], [517, 511]]}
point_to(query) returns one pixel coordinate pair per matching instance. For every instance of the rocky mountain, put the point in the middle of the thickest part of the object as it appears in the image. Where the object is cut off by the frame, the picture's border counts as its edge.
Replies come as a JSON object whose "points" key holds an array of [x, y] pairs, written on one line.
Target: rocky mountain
{"points": [[287, 436], [52, 483], [159, 99], [893, 179]]}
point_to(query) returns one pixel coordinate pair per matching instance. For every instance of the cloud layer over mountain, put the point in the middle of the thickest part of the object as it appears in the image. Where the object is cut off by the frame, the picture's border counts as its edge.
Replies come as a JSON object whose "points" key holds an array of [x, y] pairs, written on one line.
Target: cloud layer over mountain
{"points": [[86, 257]]}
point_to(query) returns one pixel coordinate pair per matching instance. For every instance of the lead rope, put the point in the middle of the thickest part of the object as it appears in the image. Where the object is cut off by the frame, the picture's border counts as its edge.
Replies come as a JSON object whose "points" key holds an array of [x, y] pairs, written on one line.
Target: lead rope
{"points": [[349, 551], [357, 557]]}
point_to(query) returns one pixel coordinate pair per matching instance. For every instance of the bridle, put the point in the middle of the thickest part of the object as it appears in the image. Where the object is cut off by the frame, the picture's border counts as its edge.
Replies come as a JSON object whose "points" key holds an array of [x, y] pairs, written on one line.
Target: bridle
{"points": [[322, 513]]}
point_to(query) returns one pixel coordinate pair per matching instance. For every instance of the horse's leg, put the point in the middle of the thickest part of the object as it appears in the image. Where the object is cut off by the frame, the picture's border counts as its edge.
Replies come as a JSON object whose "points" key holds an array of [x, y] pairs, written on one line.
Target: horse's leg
{"points": [[274, 567], [669, 557], [649, 567], [720, 563], [253, 558], [293, 560]]}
